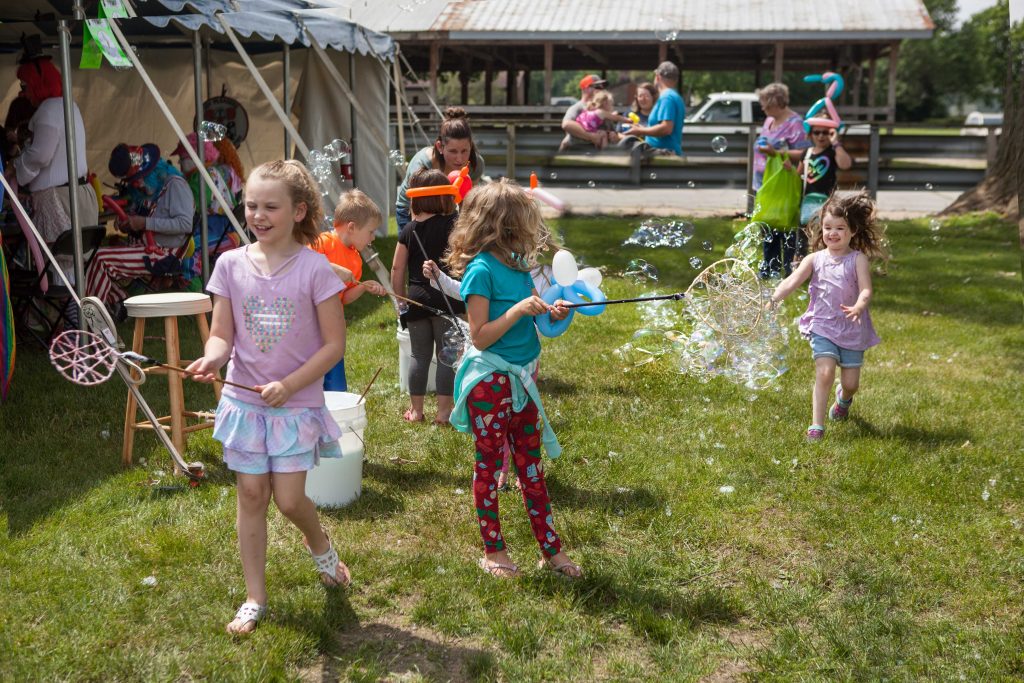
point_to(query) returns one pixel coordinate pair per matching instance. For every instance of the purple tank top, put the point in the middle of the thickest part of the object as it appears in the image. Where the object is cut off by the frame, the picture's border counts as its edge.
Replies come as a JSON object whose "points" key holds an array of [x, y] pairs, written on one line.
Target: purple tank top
{"points": [[834, 283]]}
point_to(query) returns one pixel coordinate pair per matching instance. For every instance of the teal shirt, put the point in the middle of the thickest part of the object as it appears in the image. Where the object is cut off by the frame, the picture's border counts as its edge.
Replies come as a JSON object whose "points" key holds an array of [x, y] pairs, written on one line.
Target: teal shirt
{"points": [[503, 287], [669, 107]]}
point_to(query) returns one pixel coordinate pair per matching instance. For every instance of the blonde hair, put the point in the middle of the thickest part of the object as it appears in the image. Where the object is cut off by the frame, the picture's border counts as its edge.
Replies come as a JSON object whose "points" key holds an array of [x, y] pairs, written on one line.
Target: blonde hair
{"points": [[356, 206], [774, 95], [302, 189], [858, 210], [502, 219], [601, 97]]}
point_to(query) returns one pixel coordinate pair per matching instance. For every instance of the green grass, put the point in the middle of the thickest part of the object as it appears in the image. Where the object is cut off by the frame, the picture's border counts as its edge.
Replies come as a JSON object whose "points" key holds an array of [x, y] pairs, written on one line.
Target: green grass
{"points": [[870, 556]]}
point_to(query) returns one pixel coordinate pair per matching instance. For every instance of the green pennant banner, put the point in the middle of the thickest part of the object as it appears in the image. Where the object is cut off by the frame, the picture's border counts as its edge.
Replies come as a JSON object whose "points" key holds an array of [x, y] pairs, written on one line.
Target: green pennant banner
{"points": [[98, 40]]}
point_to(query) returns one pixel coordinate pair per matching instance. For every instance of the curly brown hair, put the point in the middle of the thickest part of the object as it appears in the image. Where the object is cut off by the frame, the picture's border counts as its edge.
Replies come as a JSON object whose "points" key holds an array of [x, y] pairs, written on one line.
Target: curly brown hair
{"points": [[302, 189], [502, 219], [860, 213]]}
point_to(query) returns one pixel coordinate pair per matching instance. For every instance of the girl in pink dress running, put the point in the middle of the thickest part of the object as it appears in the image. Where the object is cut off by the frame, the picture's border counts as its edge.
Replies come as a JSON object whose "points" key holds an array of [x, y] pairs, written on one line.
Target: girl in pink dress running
{"points": [[837, 321], [278, 319]]}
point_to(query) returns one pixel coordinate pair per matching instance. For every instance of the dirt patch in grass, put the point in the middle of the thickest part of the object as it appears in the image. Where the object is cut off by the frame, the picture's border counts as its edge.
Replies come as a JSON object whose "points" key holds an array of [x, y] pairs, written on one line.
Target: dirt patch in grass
{"points": [[390, 649]]}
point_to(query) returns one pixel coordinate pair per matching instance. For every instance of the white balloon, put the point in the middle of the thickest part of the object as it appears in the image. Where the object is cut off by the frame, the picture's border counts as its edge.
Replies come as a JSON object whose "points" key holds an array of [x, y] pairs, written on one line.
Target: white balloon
{"points": [[564, 268], [591, 275]]}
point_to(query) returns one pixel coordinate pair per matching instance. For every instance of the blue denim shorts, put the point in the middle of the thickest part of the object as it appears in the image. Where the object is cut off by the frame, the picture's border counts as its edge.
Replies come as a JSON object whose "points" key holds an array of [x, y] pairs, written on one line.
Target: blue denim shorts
{"points": [[826, 348]]}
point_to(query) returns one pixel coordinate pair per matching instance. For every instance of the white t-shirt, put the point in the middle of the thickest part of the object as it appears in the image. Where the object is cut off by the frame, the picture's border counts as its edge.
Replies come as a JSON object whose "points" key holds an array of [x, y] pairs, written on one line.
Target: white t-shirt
{"points": [[44, 163]]}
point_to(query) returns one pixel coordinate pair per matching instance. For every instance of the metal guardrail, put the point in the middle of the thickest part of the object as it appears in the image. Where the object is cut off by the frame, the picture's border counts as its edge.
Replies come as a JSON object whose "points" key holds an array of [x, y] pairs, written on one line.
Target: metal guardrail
{"points": [[882, 159]]}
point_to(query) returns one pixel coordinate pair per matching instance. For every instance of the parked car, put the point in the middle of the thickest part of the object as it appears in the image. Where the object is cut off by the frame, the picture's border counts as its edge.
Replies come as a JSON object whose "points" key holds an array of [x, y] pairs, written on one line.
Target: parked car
{"points": [[978, 118], [741, 109]]}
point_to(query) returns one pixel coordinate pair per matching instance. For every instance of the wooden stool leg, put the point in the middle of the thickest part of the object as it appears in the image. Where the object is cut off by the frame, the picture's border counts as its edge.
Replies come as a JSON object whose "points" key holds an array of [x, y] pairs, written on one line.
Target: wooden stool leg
{"points": [[174, 388], [204, 334], [129, 413]]}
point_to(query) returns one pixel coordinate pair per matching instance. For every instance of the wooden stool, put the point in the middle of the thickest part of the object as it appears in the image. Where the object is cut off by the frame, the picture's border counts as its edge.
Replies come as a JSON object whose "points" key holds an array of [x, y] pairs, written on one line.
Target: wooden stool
{"points": [[168, 306]]}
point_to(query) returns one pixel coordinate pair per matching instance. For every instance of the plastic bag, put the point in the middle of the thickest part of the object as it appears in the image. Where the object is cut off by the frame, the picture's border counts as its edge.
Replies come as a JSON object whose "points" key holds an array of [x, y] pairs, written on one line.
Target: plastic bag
{"points": [[778, 200]]}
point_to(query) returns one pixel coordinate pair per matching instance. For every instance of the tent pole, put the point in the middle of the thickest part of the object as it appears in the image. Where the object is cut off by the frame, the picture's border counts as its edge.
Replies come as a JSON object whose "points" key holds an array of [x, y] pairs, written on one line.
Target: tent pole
{"points": [[71, 145], [398, 108], [353, 119], [130, 53], [414, 121], [287, 72], [204, 227]]}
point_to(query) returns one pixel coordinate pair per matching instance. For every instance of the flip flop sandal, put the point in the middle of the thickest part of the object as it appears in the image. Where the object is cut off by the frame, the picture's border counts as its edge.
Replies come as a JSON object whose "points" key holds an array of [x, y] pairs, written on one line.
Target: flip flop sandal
{"points": [[249, 611], [567, 569], [496, 569], [327, 565]]}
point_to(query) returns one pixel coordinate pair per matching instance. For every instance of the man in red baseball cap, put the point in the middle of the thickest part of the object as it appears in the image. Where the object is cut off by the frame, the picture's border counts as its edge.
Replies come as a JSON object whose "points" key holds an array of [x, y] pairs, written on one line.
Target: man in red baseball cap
{"points": [[574, 132]]}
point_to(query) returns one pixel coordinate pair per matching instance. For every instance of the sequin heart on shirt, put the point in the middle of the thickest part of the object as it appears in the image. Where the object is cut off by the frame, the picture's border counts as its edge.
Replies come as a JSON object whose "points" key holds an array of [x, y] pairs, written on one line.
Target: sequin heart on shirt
{"points": [[267, 323]]}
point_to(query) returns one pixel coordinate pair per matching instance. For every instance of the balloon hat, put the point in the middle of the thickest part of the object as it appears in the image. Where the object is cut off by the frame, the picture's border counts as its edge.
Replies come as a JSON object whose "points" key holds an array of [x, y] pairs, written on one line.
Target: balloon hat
{"points": [[460, 185], [835, 85]]}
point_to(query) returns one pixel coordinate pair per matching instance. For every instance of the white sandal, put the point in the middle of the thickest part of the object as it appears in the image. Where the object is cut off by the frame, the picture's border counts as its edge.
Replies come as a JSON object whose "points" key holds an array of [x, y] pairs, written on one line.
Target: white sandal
{"points": [[327, 564], [249, 611]]}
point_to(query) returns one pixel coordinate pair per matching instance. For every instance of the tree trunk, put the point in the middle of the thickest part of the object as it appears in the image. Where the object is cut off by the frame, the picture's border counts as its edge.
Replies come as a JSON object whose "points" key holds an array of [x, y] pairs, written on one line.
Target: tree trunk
{"points": [[1002, 190]]}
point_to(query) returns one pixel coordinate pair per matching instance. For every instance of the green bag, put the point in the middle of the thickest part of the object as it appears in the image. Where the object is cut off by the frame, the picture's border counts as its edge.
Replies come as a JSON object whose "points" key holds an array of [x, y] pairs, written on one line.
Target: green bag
{"points": [[778, 201]]}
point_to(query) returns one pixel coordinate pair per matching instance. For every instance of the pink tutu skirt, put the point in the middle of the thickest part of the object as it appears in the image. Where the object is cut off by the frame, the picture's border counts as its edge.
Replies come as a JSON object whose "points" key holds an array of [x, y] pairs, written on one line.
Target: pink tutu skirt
{"points": [[276, 432]]}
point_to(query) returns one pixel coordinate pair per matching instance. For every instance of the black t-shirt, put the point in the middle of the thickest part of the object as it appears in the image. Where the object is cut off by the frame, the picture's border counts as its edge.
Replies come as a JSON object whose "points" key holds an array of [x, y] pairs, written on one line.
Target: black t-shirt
{"points": [[434, 233], [821, 171]]}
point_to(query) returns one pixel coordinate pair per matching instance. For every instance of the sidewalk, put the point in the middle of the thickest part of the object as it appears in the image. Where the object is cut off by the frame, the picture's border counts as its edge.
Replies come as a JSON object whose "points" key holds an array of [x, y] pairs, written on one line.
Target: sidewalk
{"points": [[892, 205]]}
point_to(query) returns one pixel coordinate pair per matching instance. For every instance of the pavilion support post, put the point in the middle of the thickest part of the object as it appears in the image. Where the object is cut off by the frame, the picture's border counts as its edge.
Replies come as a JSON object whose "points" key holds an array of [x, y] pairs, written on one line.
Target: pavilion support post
{"points": [[549, 72], [662, 52], [524, 87], [204, 228], [488, 82], [510, 86], [71, 145], [890, 100], [435, 63], [874, 147], [872, 78], [464, 77], [780, 54]]}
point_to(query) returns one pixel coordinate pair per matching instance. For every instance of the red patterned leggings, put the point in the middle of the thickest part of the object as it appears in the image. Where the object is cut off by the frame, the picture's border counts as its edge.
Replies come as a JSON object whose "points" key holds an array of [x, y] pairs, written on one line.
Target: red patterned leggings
{"points": [[493, 421]]}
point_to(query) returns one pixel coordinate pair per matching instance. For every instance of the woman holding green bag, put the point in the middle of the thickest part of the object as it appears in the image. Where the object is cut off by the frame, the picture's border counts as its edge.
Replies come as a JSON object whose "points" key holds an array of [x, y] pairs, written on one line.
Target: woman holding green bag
{"points": [[781, 145]]}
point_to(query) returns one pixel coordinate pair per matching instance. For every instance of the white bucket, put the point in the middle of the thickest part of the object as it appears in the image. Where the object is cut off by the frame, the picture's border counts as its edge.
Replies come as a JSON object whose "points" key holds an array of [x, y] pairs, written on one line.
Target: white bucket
{"points": [[338, 481], [404, 358]]}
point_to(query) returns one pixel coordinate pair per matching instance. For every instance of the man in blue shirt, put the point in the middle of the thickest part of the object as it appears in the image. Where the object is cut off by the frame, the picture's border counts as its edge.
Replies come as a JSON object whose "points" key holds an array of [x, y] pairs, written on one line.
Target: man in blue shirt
{"points": [[664, 130]]}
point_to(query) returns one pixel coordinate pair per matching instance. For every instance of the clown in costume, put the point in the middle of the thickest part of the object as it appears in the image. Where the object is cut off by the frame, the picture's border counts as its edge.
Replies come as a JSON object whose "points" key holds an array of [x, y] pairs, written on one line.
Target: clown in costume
{"points": [[160, 201]]}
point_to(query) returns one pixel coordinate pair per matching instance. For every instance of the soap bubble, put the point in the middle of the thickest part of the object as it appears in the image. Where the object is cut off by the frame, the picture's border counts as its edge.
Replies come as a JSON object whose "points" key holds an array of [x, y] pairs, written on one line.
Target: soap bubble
{"points": [[935, 225], [396, 158], [663, 30], [891, 178], [691, 184], [591, 183], [656, 233], [706, 245], [696, 262], [719, 144], [553, 175], [929, 186], [454, 344], [640, 271], [211, 131], [337, 149], [654, 176]]}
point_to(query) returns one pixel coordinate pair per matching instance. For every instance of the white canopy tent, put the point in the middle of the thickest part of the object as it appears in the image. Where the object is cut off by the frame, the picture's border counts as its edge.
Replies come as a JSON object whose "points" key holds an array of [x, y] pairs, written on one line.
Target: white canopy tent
{"points": [[116, 109]]}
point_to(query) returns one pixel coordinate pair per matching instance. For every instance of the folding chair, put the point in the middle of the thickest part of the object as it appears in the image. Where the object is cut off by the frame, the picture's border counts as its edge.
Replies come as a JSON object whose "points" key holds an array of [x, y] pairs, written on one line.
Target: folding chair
{"points": [[51, 307]]}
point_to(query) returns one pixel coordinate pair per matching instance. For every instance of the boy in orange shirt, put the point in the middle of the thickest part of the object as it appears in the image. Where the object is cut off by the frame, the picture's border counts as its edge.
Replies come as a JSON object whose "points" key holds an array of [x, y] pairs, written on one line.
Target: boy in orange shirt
{"points": [[356, 219]]}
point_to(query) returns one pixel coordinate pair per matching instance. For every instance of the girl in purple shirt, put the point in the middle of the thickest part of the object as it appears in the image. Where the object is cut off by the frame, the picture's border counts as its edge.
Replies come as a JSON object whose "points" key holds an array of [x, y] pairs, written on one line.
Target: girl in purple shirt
{"points": [[837, 321], [278, 319]]}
